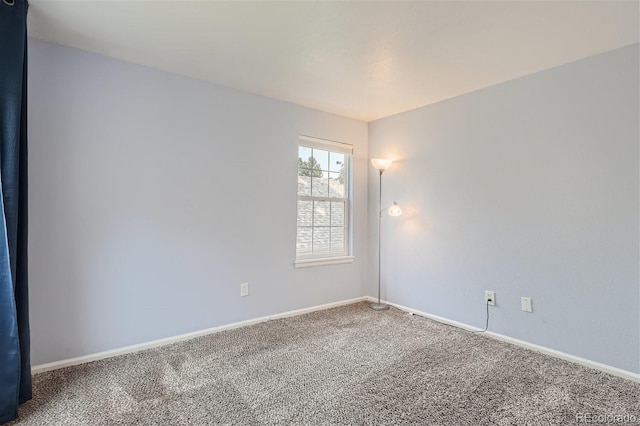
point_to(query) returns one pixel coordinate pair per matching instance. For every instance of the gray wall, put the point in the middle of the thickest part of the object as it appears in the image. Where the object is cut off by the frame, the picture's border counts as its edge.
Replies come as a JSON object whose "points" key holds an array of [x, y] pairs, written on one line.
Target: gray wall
{"points": [[529, 188], [153, 196]]}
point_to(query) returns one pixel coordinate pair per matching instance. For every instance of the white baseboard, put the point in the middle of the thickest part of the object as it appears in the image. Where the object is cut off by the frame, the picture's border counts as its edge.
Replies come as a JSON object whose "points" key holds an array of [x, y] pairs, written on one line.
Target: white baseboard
{"points": [[542, 349], [169, 340]]}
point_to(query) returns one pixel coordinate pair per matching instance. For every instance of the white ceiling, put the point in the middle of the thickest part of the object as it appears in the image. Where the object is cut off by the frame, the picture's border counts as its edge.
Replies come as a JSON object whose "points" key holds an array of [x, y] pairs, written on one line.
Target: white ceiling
{"points": [[364, 60]]}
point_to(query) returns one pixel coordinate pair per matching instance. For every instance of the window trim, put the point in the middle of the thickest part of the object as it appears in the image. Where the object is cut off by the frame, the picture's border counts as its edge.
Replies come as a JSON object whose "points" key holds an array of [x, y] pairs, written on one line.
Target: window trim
{"points": [[322, 261], [323, 144], [347, 255]]}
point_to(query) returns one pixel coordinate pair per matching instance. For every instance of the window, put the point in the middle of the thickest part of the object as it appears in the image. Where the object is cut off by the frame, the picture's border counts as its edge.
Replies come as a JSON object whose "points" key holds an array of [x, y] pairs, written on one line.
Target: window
{"points": [[324, 202]]}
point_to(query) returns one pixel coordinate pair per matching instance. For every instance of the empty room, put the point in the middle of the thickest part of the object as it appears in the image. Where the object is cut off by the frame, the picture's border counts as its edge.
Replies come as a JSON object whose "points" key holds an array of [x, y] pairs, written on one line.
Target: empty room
{"points": [[319, 212]]}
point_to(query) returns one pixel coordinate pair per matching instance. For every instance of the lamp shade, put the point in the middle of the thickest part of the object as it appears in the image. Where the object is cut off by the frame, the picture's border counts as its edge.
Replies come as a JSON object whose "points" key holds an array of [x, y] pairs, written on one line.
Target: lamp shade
{"points": [[381, 163], [395, 210]]}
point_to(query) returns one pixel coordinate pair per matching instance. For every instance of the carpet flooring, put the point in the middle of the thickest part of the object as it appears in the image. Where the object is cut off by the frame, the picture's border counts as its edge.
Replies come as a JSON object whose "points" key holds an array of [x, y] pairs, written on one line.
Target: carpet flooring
{"points": [[343, 366]]}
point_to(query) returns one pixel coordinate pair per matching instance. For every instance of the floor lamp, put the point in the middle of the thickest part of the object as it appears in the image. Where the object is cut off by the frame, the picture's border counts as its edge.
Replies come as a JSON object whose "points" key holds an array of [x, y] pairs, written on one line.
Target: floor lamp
{"points": [[381, 165]]}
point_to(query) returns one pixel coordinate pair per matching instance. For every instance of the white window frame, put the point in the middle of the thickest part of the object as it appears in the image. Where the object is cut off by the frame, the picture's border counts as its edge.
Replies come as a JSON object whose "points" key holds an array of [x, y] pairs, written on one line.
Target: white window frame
{"points": [[325, 258]]}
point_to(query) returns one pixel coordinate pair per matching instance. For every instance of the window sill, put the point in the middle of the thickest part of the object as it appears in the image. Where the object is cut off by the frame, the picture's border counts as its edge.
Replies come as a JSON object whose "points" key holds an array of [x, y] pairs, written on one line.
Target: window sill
{"points": [[308, 263]]}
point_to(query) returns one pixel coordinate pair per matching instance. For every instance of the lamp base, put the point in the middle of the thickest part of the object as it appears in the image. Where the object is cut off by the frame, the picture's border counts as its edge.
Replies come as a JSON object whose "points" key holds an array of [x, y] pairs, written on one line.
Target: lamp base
{"points": [[379, 306]]}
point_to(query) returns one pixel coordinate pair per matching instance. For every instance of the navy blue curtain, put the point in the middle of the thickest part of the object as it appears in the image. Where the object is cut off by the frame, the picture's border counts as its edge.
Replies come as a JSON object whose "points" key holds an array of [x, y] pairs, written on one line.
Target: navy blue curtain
{"points": [[15, 363]]}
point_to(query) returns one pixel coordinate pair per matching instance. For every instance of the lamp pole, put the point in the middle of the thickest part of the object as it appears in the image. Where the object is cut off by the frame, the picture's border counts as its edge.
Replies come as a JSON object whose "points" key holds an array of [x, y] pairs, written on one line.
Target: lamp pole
{"points": [[379, 306]]}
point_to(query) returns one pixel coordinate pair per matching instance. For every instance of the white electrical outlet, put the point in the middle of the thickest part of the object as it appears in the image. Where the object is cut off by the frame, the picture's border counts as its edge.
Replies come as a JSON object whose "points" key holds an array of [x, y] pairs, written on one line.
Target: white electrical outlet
{"points": [[490, 297], [244, 289], [526, 304]]}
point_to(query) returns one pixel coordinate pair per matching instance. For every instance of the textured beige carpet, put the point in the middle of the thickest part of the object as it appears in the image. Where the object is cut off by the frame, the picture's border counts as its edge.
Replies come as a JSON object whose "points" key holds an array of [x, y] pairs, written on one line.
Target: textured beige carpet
{"points": [[348, 365]]}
